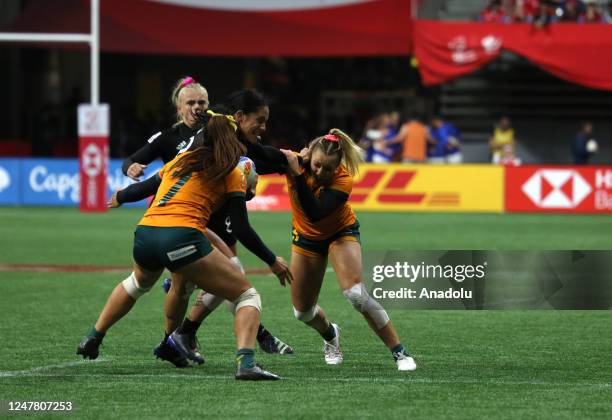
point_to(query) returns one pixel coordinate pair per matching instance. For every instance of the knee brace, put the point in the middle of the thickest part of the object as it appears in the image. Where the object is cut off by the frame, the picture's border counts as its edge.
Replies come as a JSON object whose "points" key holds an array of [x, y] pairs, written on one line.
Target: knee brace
{"points": [[249, 298], [132, 287], [209, 300], [364, 303], [308, 315]]}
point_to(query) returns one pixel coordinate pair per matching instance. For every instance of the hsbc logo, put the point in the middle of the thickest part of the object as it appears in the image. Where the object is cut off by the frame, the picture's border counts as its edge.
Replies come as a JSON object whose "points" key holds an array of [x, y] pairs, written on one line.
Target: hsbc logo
{"points": [[556, 188], [92, 160]]}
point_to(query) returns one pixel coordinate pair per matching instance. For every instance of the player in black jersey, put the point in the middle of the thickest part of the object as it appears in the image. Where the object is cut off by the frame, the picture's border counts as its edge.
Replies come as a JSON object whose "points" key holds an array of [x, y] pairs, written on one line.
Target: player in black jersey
{"points": [[190, 99], [251, 112]]}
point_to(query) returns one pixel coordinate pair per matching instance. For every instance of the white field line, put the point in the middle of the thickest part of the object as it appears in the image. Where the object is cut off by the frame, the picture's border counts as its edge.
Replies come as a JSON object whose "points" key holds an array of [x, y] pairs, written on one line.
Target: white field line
{"points": [[36, 371], [39, 372]]}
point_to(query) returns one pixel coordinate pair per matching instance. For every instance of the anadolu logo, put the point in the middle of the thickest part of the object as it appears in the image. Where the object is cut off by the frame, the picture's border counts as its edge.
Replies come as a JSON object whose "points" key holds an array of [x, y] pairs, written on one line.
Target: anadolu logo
{"points": [[5, 179], [556, 188]]}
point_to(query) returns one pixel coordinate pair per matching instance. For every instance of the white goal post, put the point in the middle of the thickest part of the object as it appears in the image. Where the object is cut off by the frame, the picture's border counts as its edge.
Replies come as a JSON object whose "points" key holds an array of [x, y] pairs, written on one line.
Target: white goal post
{"points": [[93, 39]]}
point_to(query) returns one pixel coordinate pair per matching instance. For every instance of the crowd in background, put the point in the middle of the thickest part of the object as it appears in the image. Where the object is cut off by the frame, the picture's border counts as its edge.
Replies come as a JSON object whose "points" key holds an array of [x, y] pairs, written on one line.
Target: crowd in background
{"points": [[386, 140], [542, 12]]}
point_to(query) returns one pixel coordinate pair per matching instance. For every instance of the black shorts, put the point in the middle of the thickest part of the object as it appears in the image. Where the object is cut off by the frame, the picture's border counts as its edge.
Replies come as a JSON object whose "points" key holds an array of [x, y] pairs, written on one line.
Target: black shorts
{"points": [[168, 247], [312, 248], [221, 224]]}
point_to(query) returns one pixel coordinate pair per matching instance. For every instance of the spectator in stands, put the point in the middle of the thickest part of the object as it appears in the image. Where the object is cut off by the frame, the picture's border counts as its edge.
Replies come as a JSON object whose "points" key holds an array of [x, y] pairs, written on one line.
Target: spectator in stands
{"points": [[584, 145], [508, 158], [571, 11], [526, 10], [445, 146], [375, 139], [413, 137], [392, 129], [453, 143], [591, 14], [494, 13], [503, 135], [436, 148], [545, 14]]}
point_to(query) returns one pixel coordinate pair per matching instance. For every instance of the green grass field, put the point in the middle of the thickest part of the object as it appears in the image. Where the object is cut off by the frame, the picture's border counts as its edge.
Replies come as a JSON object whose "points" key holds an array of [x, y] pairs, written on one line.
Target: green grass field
{"points": [[505, 364]]}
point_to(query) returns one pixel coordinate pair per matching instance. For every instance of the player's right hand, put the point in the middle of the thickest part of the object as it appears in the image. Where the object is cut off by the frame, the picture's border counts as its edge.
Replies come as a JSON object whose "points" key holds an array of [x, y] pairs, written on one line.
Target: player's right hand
{"points": [[136, 170], [112, 202], [280, 268]]}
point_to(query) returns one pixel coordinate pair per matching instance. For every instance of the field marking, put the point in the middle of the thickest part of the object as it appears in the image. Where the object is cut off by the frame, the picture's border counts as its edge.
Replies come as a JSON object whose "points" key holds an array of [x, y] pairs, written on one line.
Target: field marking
{"points": [[35, 370], [73, 268]]}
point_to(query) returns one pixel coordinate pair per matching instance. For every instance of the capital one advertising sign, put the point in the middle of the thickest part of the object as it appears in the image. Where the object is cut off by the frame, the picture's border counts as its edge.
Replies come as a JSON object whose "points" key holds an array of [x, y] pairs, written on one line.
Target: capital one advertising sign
{"points": [[564, 189], [94, 130]]}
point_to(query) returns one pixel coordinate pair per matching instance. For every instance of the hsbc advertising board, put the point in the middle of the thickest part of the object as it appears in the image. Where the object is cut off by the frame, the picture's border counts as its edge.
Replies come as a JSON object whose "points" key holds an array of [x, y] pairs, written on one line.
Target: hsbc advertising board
{"points": [[562, 189]]}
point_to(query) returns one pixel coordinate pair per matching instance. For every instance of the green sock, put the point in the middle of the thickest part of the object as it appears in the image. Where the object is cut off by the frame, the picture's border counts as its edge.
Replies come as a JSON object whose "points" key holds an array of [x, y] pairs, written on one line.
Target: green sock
{"points": [[96, 334], [399, 349], [244, 357], [329, 334]]}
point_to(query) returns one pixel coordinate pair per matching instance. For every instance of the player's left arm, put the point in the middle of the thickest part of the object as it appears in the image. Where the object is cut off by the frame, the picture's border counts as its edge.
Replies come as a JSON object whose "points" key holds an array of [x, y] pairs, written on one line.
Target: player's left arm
{"points": [[316, 209], [136, 192]]}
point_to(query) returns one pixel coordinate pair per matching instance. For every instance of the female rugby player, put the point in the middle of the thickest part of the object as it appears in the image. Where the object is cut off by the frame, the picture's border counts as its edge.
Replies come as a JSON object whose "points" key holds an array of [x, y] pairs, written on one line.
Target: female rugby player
{"points": [[324, 225], [171, 235]]}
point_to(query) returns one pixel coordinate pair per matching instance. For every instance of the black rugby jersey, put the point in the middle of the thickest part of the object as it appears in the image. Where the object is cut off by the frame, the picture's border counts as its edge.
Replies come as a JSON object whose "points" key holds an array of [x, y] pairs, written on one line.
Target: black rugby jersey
{"points": [[164, 145]]}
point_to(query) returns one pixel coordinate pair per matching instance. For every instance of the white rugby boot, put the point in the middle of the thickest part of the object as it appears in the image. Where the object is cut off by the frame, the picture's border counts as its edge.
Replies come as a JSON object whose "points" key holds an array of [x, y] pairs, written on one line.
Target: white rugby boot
{"points": [[404, 362], [333, 353]]}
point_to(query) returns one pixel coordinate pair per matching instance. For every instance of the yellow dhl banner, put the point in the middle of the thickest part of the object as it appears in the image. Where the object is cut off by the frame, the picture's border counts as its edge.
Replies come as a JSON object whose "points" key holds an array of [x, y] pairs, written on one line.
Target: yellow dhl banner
{"points": [[398, 187]]}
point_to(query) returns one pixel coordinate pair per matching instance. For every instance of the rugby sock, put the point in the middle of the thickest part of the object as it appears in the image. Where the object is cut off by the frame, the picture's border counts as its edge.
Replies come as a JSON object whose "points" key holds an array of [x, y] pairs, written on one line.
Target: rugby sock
{"points": [[96, 334], [262, 332], [399, 349], [189, 327], [329, 334], [244, 357]]}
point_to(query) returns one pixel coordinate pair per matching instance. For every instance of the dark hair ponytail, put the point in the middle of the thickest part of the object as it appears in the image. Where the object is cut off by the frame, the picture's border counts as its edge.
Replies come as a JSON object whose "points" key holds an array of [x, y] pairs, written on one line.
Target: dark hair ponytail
{"points": [[217, 156]]}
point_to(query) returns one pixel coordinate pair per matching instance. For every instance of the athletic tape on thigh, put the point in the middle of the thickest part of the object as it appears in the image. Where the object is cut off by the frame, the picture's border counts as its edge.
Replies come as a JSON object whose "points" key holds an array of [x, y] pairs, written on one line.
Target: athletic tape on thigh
{"points": [[308, 315], [364, 303], [248, 298], [210, 301], [237, 263], [131, 286]]}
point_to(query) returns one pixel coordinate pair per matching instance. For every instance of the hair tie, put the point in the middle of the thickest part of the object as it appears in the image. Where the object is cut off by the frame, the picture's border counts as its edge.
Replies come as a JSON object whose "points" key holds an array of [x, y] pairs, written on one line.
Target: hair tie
{"points": [[332, 137], [187, 81], [230, 118]]}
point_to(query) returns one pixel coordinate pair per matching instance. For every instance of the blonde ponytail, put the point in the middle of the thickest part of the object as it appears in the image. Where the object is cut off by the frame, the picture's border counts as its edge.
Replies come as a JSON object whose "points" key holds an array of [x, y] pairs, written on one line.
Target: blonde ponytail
{"points": [[352, 155]]}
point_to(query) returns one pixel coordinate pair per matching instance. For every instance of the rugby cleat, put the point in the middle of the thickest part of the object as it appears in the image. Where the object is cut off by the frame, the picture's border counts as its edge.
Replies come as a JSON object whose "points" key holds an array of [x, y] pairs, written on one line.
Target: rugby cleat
{"points": [[404, 362], [166, 285], [165, 352], [89, 347], [255, 373], [333, 353], [187, 346], [272, 345]]}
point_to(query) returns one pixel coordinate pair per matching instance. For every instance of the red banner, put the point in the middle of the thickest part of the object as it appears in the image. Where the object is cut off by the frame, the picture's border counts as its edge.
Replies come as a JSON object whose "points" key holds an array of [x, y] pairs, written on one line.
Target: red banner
{"points": [[573, 52], [233, 28], [93, 128], [562, 189]]}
